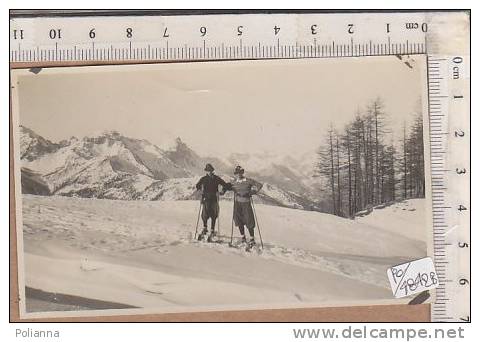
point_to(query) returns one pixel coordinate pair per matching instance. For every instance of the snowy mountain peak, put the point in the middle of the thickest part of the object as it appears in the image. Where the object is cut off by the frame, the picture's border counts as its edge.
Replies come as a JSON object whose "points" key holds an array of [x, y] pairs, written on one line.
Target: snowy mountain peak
{"points": [[33, 146], [110, 165], [185, 157], [180, 145], [102, 136], [26, 130], [111, 134], [176, 144], [72, 140], [67, 142]]}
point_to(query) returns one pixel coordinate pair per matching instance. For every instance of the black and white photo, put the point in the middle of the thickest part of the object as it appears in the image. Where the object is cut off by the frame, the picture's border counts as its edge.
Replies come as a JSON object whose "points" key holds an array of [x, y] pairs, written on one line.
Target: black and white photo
{"points": [[219, 185]]}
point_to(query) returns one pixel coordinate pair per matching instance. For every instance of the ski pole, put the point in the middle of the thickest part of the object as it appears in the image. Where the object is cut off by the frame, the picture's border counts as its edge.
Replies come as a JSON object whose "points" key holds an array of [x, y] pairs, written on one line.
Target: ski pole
{"points": [[198, 217], [218, 213], [258, 223], [233, 213]]}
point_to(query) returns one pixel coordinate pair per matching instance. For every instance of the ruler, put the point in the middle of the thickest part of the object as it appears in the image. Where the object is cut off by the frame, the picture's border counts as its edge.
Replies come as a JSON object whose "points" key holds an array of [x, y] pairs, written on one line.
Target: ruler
{"points": [[87, 40], [449, 100], [215, 37]]}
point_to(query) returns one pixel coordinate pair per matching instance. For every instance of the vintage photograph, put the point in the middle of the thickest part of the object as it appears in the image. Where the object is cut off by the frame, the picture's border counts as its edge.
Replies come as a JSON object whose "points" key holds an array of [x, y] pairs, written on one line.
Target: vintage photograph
{"points": [[219, 185]]}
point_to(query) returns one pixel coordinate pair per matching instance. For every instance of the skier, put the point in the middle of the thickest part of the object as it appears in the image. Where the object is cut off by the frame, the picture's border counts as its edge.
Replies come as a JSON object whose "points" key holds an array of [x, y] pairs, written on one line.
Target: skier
{"points": [[243, 214], [209, 186]]}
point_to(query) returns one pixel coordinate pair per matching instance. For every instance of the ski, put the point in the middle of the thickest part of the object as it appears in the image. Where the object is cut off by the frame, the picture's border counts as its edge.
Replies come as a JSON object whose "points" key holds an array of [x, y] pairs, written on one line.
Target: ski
{"points": [[210, 239], [237, 245]]}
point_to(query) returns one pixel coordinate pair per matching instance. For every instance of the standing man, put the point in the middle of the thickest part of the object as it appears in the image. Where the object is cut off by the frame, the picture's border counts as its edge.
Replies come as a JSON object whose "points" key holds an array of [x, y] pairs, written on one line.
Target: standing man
{"points": [[243, 215], [209, 186]]}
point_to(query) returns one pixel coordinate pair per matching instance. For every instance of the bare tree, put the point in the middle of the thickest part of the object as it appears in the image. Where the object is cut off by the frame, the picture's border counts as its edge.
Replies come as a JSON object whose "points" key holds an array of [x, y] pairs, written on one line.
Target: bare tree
{"points": [[339, 197], [362, 170], [405, 163], [346, 145], [325, 166]]}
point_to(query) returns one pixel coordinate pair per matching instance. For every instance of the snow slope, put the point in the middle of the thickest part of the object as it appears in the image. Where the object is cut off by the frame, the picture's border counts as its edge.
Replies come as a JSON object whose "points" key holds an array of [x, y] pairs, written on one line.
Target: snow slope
{"points": [[141, 253], [407, 218]]}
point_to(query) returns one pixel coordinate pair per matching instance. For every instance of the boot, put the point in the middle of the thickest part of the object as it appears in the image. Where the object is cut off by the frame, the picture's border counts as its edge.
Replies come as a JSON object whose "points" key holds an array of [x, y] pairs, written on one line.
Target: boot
{"points": [[202, 234], [211, 236], [250, 244], [244, 239]]}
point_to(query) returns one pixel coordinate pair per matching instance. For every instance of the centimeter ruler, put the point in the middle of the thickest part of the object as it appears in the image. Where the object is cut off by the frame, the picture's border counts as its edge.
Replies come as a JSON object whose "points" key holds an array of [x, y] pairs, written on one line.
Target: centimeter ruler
{"points": [[67, 40], [448, 102], [214, 37]]}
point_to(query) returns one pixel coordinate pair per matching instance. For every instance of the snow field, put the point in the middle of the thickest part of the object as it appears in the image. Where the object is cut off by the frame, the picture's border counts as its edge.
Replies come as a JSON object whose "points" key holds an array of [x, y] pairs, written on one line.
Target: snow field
{"points": [[141, 253]]}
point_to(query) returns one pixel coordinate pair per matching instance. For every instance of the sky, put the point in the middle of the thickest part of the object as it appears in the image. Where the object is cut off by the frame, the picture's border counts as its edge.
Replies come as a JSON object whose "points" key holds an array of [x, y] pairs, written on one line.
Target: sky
{"points": [[282, 107]]}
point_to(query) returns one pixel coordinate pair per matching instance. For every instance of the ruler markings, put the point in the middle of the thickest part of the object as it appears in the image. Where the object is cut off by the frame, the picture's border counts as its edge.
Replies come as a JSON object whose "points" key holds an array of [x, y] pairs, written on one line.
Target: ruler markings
{"points": [[441, 210], [98, 51]]}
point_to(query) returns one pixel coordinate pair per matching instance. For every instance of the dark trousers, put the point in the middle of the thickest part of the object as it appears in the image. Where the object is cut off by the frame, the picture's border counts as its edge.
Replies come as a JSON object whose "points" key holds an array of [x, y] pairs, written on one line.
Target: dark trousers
{"points": [[210, 211], [243, 216], [251, 231]]}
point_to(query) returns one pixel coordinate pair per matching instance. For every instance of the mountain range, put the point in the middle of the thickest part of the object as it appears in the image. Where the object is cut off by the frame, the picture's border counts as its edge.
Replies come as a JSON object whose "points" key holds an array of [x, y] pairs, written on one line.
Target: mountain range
{"points": [[112, 166]]}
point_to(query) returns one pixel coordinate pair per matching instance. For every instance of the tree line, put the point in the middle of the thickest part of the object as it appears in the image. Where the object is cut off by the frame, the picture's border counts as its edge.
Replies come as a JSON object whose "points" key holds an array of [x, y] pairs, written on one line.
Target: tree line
{"points": [[364, 167]]}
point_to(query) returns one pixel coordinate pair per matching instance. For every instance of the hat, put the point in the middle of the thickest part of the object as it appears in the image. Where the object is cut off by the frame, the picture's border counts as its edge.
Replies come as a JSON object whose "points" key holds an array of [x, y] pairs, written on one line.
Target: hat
{"points": [[209, 167], [238, 170]]}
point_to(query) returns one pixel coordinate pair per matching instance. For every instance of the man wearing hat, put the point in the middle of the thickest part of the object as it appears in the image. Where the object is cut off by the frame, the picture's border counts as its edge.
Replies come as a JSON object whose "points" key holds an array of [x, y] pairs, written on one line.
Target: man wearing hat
{"points": [[209, 186], [243, 215]]}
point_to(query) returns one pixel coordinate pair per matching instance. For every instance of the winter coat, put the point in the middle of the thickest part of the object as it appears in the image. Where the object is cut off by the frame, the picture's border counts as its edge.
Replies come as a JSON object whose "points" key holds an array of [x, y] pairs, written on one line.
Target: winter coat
{"points": [[244, 188], [210, 184]]}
